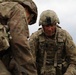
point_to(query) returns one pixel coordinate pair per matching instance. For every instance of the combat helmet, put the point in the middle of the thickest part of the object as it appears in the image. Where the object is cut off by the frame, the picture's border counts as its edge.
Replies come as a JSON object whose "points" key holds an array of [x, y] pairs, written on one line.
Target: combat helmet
{"points": [[32, 7], [48, 17]]}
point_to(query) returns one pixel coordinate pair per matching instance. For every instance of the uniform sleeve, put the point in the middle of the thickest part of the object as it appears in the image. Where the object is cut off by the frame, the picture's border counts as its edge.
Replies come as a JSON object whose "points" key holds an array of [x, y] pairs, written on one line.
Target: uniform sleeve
{"points": [[71, 54], [33, 41], [19, 43]]}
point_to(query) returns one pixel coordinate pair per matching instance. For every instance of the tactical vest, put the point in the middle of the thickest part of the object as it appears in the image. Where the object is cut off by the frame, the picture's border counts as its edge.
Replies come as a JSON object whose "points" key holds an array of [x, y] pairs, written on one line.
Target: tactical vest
{"points": [[51, 56]]}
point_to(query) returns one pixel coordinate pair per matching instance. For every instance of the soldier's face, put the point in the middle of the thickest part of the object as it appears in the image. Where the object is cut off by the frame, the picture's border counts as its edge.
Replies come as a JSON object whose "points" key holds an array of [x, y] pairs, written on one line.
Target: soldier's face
{"points": [[49, 30], [28, 18], [28, 15]]}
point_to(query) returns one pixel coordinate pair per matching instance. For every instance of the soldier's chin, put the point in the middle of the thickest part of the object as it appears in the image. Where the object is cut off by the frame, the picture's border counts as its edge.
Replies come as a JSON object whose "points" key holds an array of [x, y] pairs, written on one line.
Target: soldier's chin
{"points": [[50, 34]]}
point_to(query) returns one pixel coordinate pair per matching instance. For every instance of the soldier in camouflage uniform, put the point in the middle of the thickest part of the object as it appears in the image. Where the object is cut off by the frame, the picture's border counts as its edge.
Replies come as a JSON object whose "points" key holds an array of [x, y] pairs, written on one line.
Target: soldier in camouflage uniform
{"points": [[17, 14], [53, 48]]}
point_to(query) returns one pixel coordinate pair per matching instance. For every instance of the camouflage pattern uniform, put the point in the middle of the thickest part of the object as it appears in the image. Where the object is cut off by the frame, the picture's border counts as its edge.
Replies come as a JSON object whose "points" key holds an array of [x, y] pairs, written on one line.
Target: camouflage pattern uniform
{"points": [[13, 14], [56, 55]]}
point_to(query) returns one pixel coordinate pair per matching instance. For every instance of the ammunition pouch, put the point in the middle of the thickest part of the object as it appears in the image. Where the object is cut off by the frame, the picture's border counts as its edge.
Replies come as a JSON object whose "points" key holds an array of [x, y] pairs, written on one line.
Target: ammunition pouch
{"points": [[64, 66], [4, 41], [61, 68]]}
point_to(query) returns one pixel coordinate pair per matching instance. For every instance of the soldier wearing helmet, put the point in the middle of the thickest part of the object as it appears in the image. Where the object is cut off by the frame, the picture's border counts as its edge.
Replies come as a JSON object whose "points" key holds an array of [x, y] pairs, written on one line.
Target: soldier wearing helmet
{"points": [[17, 15], [52, 47]]}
